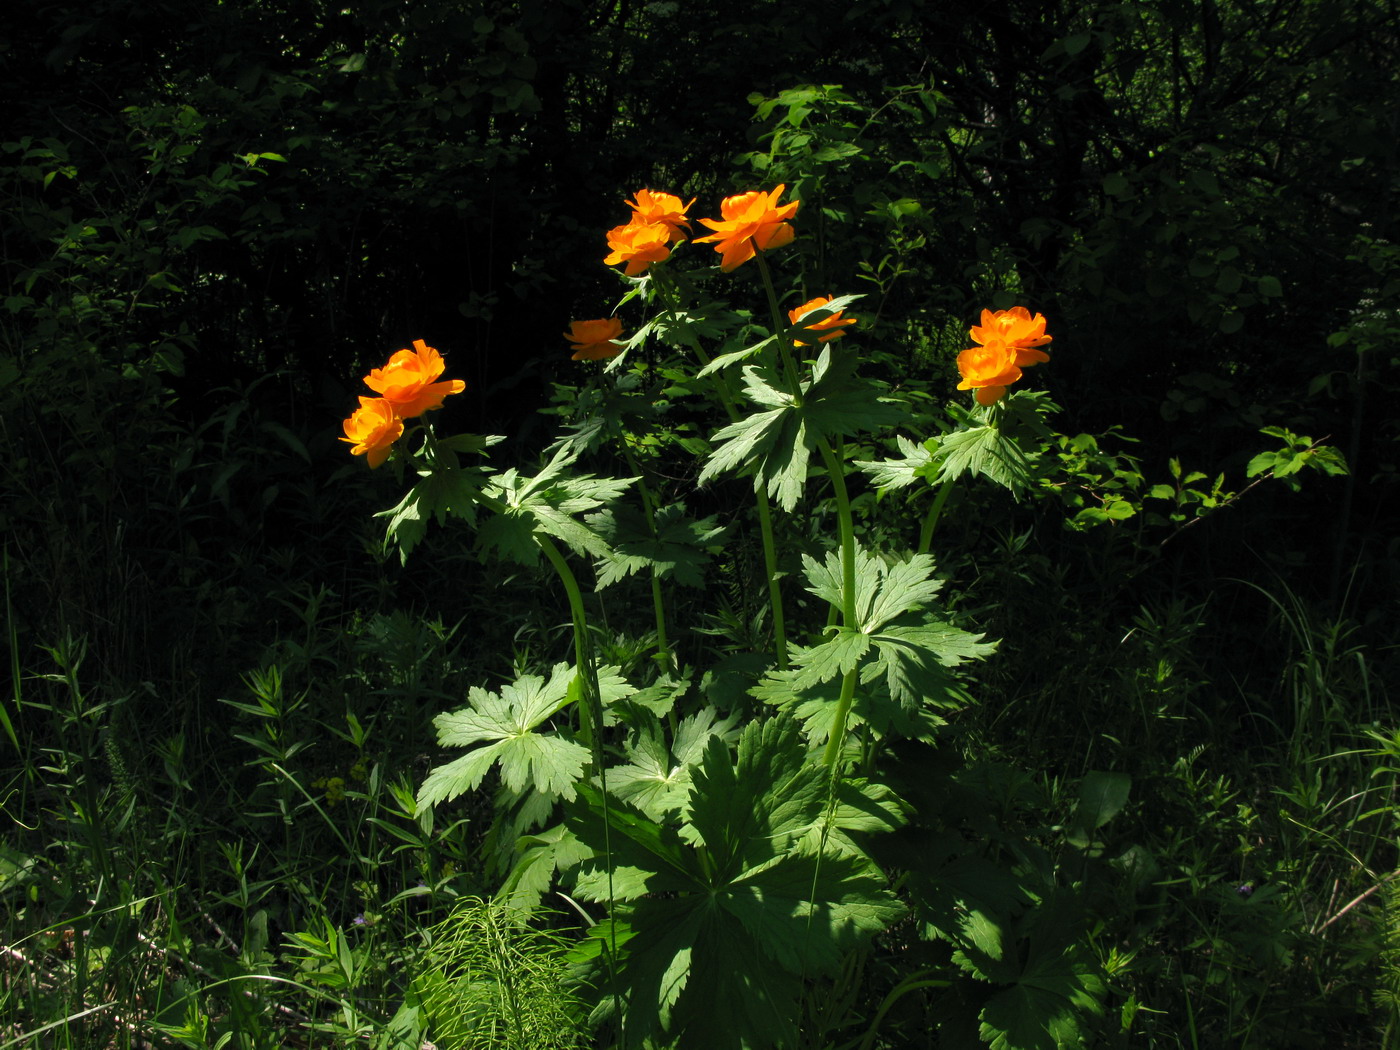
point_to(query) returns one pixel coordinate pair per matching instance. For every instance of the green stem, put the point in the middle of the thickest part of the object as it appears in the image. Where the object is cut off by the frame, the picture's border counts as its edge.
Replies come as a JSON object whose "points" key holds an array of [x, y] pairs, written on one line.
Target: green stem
{"points": [[838, 725], [784, 352], [775, 591], [836, 471], [591, 710], [934, 513], [590, 729], [765, 527], [663, 649]]}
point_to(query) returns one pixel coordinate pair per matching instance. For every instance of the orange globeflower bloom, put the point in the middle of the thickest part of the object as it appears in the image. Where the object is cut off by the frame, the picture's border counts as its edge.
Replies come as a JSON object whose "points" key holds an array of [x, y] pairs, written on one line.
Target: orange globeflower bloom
{"points": [[660, 209], [834, 327], [753, 221], [406, 382], [638, 244], [373, 429], [989, 370], [594, 340], [1018, 329]]}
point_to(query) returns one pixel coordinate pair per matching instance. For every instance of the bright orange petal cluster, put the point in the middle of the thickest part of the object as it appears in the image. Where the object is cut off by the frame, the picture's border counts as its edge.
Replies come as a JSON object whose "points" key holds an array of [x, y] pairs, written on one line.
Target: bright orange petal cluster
{"points": [[407, 381], [646, 238], [638, 244], [372, 430], [752, 221], [660, 209], [1018, 330], [406, 386], [594, 340], [1008, 341], [834, 327]]}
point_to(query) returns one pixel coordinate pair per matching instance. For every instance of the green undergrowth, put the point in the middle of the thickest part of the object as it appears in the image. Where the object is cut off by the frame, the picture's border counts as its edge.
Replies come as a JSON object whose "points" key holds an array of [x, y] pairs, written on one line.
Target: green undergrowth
{"points": [[276, 883]]}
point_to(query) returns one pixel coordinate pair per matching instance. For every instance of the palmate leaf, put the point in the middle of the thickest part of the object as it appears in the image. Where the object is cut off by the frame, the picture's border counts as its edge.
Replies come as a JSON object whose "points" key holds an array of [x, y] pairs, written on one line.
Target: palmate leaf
{"points": [[772, 444], [730, 357], [744, 900], [860, 806], [986, 451], [547, 503], [841, 653], [777, 444], [441, 494], [676, 549], [894, 638], [839, 402], [657, 779], [1019, 938], [884, 589], [1045, 995], [505, 724], [816, 705], [748, 809], [541, 856], [914, 659], [917, 462], [902, 652], [1000, 442]]}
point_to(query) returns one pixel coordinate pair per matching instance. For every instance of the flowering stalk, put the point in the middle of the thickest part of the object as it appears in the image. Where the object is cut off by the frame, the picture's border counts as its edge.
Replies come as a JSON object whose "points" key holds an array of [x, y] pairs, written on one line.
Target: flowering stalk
{"points": [[590, 729], [789, 366], [765, 528], [663, 649], [836, 470], [591, 709], [934, 513], [765, 511]]}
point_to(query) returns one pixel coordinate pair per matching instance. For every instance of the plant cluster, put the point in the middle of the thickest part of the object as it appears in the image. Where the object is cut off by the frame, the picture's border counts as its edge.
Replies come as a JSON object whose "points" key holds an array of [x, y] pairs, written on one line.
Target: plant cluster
{"points": [[740, 814]]}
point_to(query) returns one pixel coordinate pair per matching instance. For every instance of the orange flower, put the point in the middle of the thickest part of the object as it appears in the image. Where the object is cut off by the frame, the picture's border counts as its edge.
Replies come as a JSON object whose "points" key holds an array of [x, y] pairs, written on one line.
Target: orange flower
{"points": [[406, 382], [834, 327], [989, 370], [638, 244], [373, 429], [594, 340], [1018, 330], [752, 221], [660, 209]]}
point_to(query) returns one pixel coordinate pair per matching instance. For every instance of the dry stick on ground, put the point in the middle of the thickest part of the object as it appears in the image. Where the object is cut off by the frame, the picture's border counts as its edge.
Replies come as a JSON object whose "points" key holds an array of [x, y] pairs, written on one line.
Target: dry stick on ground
{"points": [[1356, 901]]}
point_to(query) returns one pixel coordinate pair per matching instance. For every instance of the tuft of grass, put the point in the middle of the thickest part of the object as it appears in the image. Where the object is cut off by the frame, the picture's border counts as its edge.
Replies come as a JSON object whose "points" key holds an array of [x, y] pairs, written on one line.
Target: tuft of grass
{"points": [[492, 980]]}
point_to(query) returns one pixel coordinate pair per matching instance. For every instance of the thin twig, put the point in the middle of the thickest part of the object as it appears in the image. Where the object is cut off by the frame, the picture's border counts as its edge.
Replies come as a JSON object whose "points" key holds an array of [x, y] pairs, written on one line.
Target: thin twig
{"points": [[1357, 901]]}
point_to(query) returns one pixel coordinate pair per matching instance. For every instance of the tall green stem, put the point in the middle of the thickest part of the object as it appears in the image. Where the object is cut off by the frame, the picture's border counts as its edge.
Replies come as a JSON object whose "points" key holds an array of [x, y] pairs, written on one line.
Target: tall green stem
{"points": [[849, 614], [590, 729], [591, 710], [765, 525], [663, 648], [789, 366], [836, 470], [934, 513], [775, 590]]}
